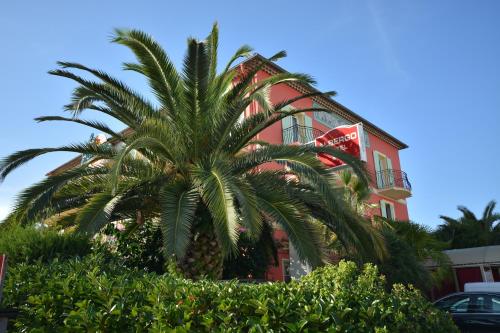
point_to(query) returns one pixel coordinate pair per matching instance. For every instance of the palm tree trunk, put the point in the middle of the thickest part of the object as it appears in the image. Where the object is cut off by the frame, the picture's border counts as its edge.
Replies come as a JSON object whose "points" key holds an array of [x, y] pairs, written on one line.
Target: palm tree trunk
{"points": [[204, 257]]}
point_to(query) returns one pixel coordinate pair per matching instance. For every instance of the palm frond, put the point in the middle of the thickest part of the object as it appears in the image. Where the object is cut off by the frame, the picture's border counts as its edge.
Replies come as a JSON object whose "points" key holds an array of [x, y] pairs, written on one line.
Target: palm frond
{"points": [[156, 65], [290, 216], [96, 213], [90, 123], [11, 162], [212, 48], [215, 187], [179, 203]]}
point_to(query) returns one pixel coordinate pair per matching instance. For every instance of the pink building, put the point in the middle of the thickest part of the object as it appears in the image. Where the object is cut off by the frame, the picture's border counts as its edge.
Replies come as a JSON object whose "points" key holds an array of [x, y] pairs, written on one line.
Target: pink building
{"points": [[390, 186]]}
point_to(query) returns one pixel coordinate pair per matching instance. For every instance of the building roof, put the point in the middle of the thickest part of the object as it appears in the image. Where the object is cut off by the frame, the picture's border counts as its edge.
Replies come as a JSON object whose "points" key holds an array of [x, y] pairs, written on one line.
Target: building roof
{"points": [[474, 255]]}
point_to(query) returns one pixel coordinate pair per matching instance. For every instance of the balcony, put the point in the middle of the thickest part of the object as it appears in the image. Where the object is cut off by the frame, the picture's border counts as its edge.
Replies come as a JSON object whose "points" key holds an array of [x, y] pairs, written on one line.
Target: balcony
{"points": [[393, 184], [300, 134]]}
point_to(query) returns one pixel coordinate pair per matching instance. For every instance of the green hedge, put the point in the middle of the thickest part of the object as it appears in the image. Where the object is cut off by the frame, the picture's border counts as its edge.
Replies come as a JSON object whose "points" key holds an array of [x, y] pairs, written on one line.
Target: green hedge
{"points": [[30, 245], [90, 295]]}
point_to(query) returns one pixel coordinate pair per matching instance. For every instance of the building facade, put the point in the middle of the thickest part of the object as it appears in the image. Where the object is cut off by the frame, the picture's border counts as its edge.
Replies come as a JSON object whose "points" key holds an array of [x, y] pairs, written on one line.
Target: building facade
{"points": [[390, 186]]}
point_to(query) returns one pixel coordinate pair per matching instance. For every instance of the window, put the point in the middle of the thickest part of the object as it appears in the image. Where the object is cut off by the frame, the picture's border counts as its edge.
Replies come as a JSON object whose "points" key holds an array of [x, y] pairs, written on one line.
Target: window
{"points": [[460, 306], [495, 304], [297, 128], [383, 170], [366, 138], [486, 304], [482, 303], [286, 270], [455, 304], [387, 210]]}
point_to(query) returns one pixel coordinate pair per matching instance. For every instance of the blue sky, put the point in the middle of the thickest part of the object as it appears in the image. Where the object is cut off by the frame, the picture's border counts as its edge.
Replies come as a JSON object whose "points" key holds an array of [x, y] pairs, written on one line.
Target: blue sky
{"points": [[428, 72]]}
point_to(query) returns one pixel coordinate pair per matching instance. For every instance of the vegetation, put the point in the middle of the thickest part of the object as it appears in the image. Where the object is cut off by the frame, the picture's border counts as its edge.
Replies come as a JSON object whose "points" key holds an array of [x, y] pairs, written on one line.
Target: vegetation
{"points": [[425, 247], [93, 295], [138, 249], [470, 231], [255, 256], [355, 193], [190, 161], [31, 245], [135, 248], [402, 264]]}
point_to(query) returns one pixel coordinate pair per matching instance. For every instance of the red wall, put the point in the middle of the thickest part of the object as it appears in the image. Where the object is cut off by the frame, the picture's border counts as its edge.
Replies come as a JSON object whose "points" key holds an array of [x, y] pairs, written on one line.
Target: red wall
{"points": [[468, 274], [275, 273]]}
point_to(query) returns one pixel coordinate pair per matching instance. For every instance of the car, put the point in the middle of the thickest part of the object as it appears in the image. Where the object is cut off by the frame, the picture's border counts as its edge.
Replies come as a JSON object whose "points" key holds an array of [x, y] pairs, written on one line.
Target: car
{"points": [[474, 312]]}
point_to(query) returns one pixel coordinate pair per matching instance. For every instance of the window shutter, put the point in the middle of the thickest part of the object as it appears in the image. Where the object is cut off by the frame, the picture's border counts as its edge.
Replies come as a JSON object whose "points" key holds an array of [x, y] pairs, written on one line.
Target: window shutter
{"points": [[382, 208], [378, 174], [286, 123], [309, 130], [367, 138], [390, 172]]}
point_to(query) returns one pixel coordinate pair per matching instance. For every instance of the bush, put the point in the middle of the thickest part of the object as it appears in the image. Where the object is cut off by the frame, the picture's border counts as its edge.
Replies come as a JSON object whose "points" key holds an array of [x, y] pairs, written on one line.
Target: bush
{"points": [[140, 248], [95, 296], [29, 245]]}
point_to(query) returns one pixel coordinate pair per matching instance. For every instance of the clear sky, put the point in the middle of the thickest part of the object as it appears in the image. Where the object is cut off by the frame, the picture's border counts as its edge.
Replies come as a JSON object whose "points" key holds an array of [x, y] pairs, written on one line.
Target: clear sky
{"points": [[427, 72]]}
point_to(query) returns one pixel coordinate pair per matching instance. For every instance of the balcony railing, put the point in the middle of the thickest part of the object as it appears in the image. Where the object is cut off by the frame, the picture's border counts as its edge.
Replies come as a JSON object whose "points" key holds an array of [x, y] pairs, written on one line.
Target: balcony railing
{"points": [[393, 183], [300, 134]]}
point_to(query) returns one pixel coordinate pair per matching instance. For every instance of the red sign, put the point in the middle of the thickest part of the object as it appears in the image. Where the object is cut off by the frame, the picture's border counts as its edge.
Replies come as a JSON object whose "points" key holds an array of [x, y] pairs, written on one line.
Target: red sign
{"points": [[348, 138]]}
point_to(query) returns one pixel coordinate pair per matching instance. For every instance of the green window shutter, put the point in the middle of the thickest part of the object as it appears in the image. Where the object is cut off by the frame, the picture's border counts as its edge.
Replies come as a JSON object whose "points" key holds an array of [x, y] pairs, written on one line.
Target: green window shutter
{"points": [[390, 177], [286, 123], [378, 174], [367, 138], [383, 209], [308, 130]]}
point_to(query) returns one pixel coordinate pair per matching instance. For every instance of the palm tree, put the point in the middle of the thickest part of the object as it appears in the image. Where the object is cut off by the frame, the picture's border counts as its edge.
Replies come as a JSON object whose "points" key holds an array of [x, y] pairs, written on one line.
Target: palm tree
{"points": [[189, 161], [425, 247], [468, 230], [355, 192]]}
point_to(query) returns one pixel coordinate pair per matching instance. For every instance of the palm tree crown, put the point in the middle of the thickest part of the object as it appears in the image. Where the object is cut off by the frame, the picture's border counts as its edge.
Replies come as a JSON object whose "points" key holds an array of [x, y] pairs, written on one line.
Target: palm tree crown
{"points": [[468, 230], [191, 161]]}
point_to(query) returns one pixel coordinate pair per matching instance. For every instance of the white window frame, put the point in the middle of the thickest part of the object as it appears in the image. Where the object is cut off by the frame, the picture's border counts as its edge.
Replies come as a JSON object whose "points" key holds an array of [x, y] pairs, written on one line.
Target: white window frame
{"points": [[383, 208], [382, 180]]}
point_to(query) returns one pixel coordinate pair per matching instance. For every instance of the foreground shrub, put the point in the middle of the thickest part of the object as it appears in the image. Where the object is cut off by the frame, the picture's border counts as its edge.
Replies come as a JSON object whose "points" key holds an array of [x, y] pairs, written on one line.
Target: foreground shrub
{"points": [[95, 296], [30, 245]]}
